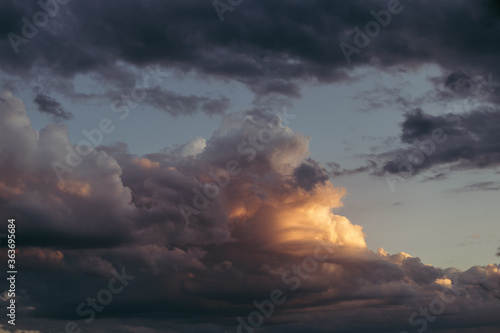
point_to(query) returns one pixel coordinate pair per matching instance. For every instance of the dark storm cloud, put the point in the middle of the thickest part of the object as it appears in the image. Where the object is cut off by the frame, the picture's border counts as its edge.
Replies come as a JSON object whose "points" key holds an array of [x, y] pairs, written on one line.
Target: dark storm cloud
{"points": [[308, 174], [458, 85], [465, 141], [417, 124], [464, 138], [48, 105], [270, 46]]}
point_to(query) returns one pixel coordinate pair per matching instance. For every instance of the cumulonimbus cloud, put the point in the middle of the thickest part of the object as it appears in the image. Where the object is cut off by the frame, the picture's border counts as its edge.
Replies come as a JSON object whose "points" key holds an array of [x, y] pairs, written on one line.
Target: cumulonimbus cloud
{"points": [[117, 209]]}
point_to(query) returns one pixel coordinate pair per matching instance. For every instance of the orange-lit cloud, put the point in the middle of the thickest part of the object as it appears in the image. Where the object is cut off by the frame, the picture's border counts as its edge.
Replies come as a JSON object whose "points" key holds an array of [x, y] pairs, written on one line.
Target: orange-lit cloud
{"points": [[7, 192], [145, 163], [74, 187]]}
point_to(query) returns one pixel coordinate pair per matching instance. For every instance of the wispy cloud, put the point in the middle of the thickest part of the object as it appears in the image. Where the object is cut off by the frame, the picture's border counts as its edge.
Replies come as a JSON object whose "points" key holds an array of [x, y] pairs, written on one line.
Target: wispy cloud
{"points": [[481, 186], [48, 105]]}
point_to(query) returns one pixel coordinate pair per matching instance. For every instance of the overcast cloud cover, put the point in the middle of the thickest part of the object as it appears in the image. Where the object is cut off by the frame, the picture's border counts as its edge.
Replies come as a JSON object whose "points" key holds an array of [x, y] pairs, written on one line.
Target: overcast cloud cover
{"points": [[209, 226]]}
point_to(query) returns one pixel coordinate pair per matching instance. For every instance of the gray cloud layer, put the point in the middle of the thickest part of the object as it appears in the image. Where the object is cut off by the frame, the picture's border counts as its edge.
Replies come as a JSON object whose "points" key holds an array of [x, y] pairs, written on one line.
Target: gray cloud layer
{"points": [[270, 46]]}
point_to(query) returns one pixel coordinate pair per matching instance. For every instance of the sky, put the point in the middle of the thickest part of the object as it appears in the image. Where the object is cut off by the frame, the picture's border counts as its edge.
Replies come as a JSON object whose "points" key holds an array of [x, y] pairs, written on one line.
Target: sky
{"points": [[251, 166]]}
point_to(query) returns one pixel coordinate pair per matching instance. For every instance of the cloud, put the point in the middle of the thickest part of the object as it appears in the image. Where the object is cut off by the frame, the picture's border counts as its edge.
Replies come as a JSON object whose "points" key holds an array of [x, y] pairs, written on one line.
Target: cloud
{"points": [[299, 41], [307, 175], [258, 232], [454, 141], [249, 230], [461, 139], [382, 97], [458, 82], [439, 176], [481, 186], [176, 104], [334, 169], [62, 215], [48, 105]]}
